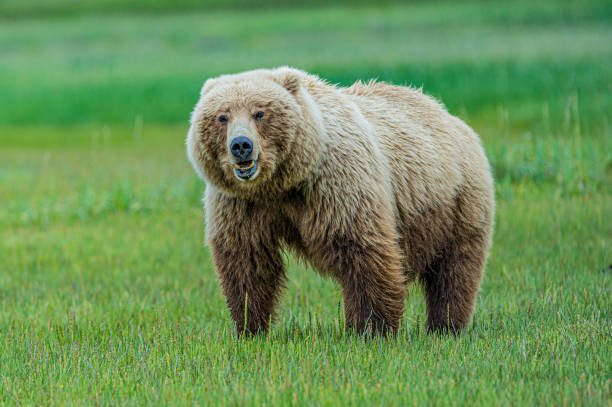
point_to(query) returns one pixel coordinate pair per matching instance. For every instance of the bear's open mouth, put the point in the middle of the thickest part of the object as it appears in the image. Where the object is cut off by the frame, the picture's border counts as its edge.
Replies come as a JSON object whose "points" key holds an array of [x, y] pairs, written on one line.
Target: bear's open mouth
{"points": [[245, 169]]}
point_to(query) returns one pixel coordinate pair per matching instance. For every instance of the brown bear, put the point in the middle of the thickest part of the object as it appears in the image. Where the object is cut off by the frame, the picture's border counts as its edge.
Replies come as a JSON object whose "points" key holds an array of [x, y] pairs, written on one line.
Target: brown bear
{"points": [[375, 185]]}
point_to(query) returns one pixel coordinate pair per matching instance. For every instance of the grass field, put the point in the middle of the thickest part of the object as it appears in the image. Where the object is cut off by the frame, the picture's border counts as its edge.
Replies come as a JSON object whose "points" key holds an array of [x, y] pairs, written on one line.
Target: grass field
{"points": [[107, 295]]}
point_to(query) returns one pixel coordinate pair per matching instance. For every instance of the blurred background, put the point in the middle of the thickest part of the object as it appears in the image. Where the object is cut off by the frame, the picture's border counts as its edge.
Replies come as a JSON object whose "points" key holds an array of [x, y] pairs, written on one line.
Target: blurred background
{"points": [[533, 79], [101, 221], [67, 62]]}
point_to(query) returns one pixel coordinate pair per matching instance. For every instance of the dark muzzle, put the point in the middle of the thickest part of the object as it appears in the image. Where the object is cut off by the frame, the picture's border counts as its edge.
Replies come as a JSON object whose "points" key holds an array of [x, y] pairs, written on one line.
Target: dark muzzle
{"points": [[241, 148]]}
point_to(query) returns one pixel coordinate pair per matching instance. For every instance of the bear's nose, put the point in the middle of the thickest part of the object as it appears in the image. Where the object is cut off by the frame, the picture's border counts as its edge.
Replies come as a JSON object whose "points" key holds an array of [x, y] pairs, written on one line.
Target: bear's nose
{"points": [[241, 147]]}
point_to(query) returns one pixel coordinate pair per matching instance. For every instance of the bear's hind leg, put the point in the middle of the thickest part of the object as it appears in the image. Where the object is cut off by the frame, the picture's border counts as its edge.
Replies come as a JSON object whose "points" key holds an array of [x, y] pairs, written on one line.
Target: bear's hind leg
{"points": [[452, 280], [451, 285]]}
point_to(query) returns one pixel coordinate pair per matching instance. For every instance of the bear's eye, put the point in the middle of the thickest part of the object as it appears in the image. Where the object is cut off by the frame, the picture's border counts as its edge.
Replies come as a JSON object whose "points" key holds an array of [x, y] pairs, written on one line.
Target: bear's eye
{"points": [[223, 118], [258, 115]]}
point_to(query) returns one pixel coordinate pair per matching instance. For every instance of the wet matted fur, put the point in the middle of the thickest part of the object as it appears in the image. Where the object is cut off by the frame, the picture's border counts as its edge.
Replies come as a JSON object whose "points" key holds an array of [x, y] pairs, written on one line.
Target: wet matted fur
{"points": [[375, 185]]}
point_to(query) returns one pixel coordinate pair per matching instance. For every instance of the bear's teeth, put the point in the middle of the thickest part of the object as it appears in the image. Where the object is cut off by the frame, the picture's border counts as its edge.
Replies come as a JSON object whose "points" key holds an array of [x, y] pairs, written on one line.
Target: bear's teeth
{"points": [[240, 166]]}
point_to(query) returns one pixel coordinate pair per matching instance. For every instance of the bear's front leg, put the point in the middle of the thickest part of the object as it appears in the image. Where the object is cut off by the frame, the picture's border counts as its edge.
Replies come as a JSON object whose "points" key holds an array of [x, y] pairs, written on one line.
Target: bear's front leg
{"points": [[251, 277], [247, 258], [352, 235], [366, 260], [373, 286]]}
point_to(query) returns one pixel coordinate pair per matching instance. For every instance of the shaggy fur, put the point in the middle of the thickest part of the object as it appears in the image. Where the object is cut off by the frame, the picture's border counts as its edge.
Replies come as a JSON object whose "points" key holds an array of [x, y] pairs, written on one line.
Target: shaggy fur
{"points": [[375, 185]]}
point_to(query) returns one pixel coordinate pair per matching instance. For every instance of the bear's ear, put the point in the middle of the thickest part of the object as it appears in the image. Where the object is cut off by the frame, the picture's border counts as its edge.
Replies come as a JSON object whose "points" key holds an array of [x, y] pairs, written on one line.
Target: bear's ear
{"points": [[289, 79], [291, 83], [207, 85]]}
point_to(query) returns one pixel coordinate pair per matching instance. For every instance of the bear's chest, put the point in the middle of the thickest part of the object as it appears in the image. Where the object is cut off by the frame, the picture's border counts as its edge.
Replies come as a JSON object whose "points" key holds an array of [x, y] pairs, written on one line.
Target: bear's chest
{"points": [[293, 210], [296, 216]]}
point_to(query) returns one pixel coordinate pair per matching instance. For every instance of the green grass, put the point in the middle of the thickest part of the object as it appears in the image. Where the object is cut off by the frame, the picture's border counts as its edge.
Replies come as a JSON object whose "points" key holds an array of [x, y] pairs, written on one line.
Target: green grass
{"points": [[107, 295]]}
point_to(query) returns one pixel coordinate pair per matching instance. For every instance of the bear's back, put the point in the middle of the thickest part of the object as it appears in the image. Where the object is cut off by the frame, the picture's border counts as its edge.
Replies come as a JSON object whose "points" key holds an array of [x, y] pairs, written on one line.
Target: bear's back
{"points": [[430, 151]]}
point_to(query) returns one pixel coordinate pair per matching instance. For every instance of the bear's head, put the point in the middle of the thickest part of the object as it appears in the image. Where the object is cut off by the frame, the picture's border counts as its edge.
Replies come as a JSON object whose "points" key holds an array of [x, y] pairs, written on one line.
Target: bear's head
{"points": [[253, 134]]}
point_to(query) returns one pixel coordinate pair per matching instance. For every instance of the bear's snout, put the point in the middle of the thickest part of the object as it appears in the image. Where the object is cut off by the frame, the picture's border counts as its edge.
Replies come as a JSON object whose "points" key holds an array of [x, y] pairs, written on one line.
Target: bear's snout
{"points": [[241, 148], [244, 149]]}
